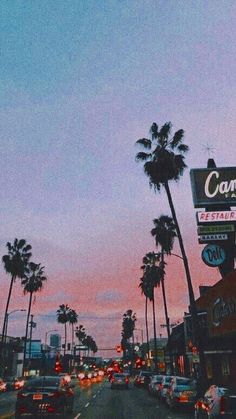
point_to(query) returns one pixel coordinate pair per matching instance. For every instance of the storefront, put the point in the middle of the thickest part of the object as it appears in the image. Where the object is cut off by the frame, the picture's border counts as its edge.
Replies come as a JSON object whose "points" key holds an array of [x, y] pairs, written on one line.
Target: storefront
{"points": [[220, 346]]}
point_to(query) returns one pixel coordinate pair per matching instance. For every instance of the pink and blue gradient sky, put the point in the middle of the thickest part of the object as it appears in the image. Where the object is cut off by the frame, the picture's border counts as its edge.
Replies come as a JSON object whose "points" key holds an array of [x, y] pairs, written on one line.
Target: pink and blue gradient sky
{"points": [[80, 83]]}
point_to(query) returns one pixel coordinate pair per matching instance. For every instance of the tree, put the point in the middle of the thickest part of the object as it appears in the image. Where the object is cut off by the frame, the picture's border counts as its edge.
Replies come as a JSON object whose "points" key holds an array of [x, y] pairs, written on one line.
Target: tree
{"points": [[128, 326], [80, 333], [72, 319], [145, 291], [151, 279], [90, 343], [15, 264], [32, 283], [164, 162], [63, 314], [164, 233]]}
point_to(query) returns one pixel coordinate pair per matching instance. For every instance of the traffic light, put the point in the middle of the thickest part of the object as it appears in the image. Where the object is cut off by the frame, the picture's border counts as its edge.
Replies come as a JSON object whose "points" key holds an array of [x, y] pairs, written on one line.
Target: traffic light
{"points": [[118, 348], [58, 366]]}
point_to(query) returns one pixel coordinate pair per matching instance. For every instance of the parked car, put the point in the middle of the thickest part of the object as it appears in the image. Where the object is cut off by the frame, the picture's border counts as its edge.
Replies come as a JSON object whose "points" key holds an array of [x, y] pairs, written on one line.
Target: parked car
{"points": [[154, 384], [119, 380], [218, 402], [2, 385], [163, 386], [181, 392], [143, 379], [11, 383], [44, 397]]}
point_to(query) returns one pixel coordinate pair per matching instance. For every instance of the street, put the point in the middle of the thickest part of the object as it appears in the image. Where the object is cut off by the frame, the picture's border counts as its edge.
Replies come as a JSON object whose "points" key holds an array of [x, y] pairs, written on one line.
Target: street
{"points": [[98, 401]]}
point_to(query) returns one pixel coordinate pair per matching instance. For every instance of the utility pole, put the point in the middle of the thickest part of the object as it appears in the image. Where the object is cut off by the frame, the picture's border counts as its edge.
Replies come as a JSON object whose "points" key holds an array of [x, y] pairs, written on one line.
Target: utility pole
{"points": [[32, 326]]}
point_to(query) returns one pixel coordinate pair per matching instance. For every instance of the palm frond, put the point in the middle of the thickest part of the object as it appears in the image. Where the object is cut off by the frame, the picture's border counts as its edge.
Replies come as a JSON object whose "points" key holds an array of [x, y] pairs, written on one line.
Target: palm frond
{"points": [[183, 148], [145, 142], [154, 130], [177, 139], [165, 131], [21, 243], [142, 156]]}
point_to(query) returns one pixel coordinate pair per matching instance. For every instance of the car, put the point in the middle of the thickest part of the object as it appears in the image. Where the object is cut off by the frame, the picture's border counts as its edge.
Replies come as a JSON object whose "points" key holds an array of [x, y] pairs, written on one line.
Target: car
{"points": [[163, 386], [181, 392], [2, 386], [154, 384], [44, 396], [143, 379], [217, 402], [11, 383], [119, 380]]}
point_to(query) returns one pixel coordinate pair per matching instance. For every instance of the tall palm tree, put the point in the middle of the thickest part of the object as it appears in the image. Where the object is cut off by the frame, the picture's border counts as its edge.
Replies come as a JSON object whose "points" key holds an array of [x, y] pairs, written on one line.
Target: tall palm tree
{"points": [[164, 162], [32, 283], [73, 319], [80, 334], [145, 291], [152, 278], [128, 326], [63, 314], [164, 233], [15, 264]]}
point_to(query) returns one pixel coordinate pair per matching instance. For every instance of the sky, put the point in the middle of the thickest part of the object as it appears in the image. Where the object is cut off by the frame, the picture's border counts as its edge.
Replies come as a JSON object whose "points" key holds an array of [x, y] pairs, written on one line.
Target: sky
{"points": [[80, 83]]}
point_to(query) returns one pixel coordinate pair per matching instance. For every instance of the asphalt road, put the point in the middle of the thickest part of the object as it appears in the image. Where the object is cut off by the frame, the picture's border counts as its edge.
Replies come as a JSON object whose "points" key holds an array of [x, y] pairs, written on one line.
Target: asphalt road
{"points": [[98, 401]]}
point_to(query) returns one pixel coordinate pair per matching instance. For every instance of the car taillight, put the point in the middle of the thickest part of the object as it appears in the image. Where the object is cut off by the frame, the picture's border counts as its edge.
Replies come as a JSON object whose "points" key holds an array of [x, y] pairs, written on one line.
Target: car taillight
{"points": [[51, 409], [126, 380], [112, 379], [222, 405]]}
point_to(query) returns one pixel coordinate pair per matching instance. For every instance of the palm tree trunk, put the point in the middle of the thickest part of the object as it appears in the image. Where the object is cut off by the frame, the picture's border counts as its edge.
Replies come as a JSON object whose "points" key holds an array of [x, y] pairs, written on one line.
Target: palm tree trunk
{"points": [[166, 314], [65, 340], [6, 311], [154, 331], [192, 303], [26, 331], [146, 324]]}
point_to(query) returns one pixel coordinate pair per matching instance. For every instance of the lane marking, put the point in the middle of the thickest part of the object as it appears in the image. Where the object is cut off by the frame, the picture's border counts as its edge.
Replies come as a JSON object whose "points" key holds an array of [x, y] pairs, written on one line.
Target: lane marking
{"points": [[77, 416], [87, 404]]}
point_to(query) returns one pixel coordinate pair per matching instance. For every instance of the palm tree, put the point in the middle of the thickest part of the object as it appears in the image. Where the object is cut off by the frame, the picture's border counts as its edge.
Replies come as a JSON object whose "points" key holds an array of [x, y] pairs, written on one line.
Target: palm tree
{"points": [[15, 264], [145, 291], [80, 334], [152, 277], [73, 319], [32, 283], [63, 315], [164, 162], [164, 233], [128, 326]]}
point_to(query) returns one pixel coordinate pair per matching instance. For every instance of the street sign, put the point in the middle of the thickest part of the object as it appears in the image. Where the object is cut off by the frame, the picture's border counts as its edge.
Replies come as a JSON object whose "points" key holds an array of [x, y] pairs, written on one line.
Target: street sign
{"points": [[213, 255], [204, 238], [216, 216], [219, 228], [213, 186]]}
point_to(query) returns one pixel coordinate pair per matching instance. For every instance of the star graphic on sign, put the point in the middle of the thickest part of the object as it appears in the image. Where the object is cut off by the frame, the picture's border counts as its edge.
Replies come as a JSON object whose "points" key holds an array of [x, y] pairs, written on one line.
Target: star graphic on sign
{"points": [[209, 149]]}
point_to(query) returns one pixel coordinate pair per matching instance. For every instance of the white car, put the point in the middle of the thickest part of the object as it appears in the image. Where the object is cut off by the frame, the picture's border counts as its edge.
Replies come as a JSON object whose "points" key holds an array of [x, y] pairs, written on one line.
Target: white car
{"points": [[163, 387], [218, 402]]}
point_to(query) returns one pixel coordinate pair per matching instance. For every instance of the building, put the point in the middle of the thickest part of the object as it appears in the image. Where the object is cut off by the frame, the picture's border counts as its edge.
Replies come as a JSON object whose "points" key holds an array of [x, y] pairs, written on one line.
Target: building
{"points": [[219, 302], [55, 341]]}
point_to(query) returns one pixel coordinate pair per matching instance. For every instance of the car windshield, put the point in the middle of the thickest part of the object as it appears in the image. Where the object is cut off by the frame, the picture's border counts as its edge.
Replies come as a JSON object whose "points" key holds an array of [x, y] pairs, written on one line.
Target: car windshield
{"points": [[42, 382], [184, 382]]}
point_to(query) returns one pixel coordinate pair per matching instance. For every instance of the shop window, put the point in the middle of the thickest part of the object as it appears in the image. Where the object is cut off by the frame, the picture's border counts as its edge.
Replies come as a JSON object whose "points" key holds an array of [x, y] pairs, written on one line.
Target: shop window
{"points": [[209, 368], [225, 366]]}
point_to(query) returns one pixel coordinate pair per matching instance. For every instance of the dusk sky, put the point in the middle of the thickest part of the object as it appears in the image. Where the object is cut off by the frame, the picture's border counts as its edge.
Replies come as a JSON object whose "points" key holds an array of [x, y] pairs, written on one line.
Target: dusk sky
{"points": [[80, 83]]}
